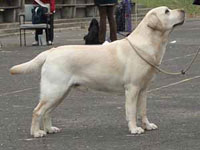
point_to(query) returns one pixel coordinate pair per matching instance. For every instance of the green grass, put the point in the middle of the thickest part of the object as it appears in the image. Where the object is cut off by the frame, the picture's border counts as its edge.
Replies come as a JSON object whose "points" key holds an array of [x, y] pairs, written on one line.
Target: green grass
{"points": [[191, 10]]}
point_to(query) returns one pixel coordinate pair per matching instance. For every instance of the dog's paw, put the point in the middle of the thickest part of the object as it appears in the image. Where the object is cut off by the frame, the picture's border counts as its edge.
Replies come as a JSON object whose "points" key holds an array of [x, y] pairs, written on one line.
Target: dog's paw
{"points": [[39, 133], [150, 126], [137, 130], [52, 130]]}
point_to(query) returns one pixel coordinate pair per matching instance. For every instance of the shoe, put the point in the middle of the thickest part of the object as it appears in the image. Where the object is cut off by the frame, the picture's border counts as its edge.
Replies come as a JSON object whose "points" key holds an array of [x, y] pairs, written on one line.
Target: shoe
{"points": [[36, 43], [50, 42]]}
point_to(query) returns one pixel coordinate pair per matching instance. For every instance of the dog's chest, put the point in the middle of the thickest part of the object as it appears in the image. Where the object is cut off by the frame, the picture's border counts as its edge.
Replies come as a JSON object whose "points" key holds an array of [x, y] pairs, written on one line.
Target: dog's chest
{"points": [[140, 75]]}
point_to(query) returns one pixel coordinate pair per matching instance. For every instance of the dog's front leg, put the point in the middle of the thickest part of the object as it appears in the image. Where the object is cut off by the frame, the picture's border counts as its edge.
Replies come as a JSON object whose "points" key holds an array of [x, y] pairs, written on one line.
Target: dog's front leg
{"points": [[132, 94], [142, 104]]}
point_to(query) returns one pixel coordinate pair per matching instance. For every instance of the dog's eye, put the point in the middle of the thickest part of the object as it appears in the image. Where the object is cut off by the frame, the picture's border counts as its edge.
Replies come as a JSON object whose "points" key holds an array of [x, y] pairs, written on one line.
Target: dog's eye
{"points": [[166, 11]]}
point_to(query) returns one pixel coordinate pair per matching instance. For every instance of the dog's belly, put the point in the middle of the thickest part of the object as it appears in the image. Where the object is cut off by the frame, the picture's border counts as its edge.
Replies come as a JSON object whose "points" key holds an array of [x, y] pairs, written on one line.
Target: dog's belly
{"points": [[101, 84], [105, 88]]}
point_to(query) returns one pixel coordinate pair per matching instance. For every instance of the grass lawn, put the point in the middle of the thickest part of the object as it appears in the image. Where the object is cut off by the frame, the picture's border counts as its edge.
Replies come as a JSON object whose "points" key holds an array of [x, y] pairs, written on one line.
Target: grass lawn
{"points": [[191, 10]]}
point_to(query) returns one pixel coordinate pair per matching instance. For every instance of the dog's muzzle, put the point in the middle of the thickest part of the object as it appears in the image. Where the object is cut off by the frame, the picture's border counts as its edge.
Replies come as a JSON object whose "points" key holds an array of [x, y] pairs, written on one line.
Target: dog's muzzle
{"points": [[182, 18]]}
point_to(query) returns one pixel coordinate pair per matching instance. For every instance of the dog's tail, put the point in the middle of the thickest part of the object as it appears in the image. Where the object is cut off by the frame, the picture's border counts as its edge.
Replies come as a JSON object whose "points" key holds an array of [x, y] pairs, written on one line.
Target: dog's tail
{"points": [[30, 66]]}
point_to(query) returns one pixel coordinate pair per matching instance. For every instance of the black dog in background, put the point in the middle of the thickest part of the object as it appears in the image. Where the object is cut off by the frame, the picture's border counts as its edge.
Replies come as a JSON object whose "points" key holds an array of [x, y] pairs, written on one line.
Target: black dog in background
{"points": [[93, 33]]}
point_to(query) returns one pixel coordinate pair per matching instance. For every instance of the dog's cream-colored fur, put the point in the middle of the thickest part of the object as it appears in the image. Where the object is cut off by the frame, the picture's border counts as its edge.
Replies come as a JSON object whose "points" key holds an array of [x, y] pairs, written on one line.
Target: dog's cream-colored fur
{"points": [[113, 67]]}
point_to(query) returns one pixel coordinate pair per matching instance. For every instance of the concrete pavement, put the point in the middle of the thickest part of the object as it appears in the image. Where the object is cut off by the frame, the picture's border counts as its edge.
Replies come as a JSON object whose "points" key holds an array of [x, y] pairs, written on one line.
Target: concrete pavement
{"points": [[94, 120]]}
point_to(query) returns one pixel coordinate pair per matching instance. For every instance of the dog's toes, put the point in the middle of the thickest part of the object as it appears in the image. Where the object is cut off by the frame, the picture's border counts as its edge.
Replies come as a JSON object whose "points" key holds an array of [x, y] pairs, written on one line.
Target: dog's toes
{"points": [[53, 130], [39, 133], [137, 130], [150, 126]]}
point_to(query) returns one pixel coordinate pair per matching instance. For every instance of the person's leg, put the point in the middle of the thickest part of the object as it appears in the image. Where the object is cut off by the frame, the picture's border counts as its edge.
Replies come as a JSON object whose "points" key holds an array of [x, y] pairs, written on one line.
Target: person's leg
{"points": [[112, 23], [37, 32], [102, 26], [51, 30]]}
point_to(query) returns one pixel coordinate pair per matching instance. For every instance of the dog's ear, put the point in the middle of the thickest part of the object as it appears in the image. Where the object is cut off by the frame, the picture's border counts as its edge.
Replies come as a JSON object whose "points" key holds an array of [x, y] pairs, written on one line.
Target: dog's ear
{"points": [[154, 22]]}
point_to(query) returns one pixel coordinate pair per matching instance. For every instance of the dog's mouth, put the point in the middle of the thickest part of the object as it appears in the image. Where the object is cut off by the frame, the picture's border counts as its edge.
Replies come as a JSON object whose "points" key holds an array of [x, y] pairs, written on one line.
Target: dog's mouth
{"points": [[178, 24]]}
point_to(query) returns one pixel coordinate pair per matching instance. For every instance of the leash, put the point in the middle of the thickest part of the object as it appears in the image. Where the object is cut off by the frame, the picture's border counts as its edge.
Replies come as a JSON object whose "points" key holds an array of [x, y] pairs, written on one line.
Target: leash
{"points": [[182, 72]]}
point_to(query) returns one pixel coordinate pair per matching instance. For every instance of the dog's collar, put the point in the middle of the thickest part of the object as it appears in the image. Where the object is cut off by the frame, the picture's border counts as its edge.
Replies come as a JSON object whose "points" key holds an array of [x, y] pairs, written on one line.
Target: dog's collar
{"points": [[155, 66], [138, 52]]}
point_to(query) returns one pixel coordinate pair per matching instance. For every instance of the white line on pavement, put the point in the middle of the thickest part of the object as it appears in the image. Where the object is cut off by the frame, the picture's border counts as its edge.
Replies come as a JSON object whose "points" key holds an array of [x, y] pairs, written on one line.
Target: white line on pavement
{"points": [[18, 91], [174, 83]]}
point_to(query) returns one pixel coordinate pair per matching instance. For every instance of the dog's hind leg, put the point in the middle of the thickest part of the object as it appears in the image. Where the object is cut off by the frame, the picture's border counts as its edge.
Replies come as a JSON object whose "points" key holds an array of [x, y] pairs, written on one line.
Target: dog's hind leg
{"points": [[52, 94], [47, 122], [48, 128], [37, 114], [42, 111]]}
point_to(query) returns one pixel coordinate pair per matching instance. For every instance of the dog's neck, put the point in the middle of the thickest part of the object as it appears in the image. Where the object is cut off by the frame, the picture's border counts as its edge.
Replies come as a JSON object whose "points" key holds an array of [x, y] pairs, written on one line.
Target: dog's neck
{"points": [[157, 39]]}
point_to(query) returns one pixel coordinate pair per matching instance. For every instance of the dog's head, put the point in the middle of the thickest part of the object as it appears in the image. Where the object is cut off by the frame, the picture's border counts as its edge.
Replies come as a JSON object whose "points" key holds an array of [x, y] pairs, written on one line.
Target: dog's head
{"points": [[164, 19]]}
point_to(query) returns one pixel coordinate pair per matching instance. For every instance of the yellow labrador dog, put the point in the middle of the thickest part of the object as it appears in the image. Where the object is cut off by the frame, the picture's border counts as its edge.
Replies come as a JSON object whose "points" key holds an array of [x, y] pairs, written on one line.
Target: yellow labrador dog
{"points": [[112, 67]]}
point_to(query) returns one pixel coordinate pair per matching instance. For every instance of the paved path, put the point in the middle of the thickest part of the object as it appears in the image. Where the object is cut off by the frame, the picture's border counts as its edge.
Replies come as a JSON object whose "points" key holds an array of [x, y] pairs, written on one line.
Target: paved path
{"points": [[94, 120]]}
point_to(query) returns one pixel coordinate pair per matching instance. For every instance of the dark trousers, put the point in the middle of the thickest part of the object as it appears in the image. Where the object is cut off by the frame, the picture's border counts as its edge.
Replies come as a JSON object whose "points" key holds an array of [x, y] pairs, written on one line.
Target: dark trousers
{"points": [[50, 30], [107, 11]]}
